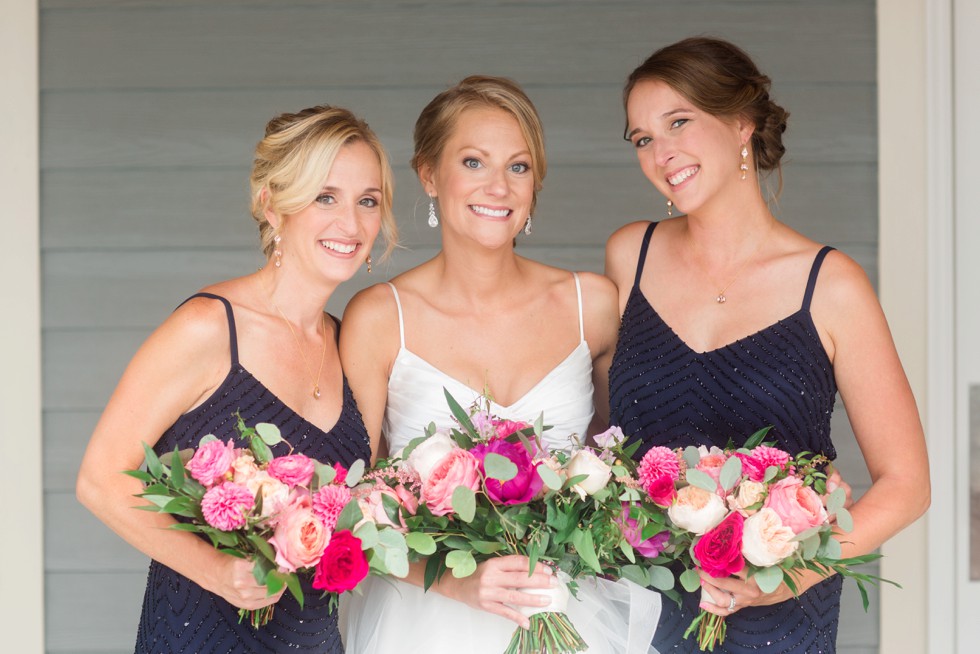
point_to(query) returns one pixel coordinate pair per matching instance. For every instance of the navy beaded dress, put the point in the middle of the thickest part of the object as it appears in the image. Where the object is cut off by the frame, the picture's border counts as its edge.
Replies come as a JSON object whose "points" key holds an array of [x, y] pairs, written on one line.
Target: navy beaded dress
{"points": [[180, 616], [664, 393]]}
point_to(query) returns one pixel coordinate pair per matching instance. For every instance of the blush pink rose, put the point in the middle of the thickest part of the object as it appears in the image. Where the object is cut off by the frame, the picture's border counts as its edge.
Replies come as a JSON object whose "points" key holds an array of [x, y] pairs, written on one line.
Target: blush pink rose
{"points": [[747, 494], [407, 498], [300, 537], [798, 506], [226, 506], [697, 510], [292, 470], [711, 465], [212, 462], [342, 565], [719, 552], [329, 501], [456, 468], [755, 463], [274, 494], [766, 541], [373, 501]]}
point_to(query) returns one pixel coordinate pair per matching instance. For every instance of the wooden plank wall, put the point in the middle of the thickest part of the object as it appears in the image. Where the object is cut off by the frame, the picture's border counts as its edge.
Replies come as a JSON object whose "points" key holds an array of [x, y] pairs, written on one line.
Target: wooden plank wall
{"points": [[150, 110]]}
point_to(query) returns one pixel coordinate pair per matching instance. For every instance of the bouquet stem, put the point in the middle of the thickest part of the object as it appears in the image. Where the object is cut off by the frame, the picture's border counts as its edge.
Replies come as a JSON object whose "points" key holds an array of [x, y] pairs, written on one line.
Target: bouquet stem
{"points": [[549, 633], [711, 630], [256, 617]]}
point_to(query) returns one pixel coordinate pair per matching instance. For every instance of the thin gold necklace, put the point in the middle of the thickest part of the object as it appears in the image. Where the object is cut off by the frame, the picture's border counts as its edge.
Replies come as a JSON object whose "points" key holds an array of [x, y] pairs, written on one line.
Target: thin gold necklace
{"points": [[721, 298], [323, 354]]}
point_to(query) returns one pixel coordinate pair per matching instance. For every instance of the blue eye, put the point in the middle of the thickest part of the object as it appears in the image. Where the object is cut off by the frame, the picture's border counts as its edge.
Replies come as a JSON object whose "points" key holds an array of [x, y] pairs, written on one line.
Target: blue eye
{"points": [[325, 198], [642, 141], [470, 162], [369, 202], [519, 168], [678, 122]]}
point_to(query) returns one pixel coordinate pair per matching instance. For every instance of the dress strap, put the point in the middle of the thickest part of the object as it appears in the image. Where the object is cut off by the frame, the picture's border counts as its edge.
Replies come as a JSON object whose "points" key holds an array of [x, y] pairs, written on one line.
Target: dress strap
{"points": [[336, 322], [812, 281], [401, 318], [232, 332], [643, 253], [581, 321]]}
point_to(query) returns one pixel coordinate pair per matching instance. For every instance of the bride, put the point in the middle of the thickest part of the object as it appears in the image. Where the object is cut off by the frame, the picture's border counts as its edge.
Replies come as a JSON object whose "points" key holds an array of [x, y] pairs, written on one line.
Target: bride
{"points": [[480, 318]]}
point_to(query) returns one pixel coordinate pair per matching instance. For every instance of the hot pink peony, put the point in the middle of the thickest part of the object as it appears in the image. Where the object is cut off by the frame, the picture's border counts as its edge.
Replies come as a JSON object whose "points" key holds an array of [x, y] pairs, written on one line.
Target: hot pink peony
{"points": [[719, 552], [657, 462], [754, 464], [292, 470], [212, 462], [798, 506], [342, 565], [226, 506], [329, 501], [300, 536], [524, 486], [456, 468]]}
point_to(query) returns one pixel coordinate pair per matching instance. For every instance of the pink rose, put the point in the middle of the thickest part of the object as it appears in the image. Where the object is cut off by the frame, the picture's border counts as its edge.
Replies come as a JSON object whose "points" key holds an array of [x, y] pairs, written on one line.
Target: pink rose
{"points": [[292, 470], [505, 428], [719, 552], [429, 453], [662, 491], [274, 494], [372, 500], [766, 541], [651, 547], [211, 462], [226, 506], [657, 462], [798, 506], [342, 565], [243, 467], [329, 501], [407, 499], [711, 465], [755, 463], [456, 468], [341, 471], [696, 509], [300, 536]]}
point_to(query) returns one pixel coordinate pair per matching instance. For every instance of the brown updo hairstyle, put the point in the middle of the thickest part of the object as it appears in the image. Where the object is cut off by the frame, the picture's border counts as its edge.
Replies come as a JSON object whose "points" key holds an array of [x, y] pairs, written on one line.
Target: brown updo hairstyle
{"points": [[436, 122], [295, 157], [720, 79]]}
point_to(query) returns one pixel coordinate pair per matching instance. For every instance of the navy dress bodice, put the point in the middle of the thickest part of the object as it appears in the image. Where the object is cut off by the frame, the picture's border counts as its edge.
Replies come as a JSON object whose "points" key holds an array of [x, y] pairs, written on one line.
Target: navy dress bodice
{"points": [[180, 616], [662, 392]]}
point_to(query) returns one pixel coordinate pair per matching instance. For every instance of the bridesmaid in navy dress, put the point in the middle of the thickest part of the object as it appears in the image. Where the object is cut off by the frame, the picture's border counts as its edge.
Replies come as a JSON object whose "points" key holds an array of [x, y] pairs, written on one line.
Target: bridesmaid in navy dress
{"points": [[260, 345], [732, 321]]}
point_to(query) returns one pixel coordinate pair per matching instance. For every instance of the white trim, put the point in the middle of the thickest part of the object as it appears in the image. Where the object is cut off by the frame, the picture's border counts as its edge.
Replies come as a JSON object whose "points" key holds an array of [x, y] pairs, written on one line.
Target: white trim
{"points": [[940, 418], [21, 484]]}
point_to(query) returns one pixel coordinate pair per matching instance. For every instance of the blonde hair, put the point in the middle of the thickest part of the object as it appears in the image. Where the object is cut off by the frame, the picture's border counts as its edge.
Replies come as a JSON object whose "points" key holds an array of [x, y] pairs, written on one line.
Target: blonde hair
{"points": [[295, 157], [436, 122]]}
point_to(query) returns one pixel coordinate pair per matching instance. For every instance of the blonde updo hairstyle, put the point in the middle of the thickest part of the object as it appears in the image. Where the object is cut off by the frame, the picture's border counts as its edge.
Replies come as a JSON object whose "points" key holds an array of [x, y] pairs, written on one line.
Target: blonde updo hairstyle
{"points": [[720, 79], [435, 124], [294, 159]]}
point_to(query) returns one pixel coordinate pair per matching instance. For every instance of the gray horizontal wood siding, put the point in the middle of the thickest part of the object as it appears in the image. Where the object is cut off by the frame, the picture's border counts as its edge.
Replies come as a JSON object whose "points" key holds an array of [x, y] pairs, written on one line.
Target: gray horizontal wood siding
{"points": [[150, 110]]}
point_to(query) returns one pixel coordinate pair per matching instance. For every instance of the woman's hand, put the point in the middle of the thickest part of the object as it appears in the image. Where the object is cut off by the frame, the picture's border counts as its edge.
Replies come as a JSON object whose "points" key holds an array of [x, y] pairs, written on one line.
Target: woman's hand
{"points": [[235, 582], [835, 481], [744, 592], [497, 583]]}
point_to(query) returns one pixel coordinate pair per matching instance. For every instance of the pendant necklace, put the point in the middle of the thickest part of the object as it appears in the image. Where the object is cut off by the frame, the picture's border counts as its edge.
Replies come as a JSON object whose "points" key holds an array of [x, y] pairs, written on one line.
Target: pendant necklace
{"points": [[299, 345], [721, 298]]}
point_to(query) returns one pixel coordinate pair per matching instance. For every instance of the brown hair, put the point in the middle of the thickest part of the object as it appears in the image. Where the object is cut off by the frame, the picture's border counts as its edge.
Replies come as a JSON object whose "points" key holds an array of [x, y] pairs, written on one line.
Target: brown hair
{"points": [[436, 122], [720, 79], [296, 156]]}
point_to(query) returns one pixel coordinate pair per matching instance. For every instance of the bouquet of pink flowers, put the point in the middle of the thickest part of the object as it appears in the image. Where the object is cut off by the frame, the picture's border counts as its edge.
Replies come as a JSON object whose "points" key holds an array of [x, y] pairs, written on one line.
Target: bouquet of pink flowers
{"points": [[755, 509], [289, 514], [488, 488]]}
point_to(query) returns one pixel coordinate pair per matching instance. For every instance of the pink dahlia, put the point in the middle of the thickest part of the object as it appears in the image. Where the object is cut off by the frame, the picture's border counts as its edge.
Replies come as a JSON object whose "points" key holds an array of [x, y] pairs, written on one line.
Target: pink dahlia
{"points": [[656, 463], [226, 506], [328, 502]]}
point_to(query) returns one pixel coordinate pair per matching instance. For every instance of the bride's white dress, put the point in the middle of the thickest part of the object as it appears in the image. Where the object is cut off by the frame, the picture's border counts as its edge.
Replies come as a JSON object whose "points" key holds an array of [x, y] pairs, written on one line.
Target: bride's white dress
{"points": [[390, 616]]}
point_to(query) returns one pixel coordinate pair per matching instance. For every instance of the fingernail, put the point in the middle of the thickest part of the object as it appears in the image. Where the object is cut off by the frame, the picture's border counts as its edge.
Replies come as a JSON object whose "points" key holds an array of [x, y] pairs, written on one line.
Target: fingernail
{"points": [[703, 605], [701, 581]]}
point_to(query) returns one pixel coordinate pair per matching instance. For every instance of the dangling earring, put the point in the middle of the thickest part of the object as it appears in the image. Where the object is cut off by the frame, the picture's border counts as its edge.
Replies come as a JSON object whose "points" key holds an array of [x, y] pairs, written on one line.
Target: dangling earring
{"points": [[670, 207], [277, 253], [433, 218], [527, 226], [745, 166], [368, 262]]}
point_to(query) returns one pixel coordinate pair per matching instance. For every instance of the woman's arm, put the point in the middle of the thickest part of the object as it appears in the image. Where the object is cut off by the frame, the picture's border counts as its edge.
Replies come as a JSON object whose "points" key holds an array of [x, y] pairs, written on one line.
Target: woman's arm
{"points": [[601, 317], [176, 368]]}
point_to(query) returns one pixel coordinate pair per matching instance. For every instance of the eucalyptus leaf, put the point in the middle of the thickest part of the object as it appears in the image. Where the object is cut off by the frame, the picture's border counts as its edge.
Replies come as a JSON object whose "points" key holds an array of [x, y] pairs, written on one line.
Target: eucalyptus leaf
{"points": [[770, 474], [392, 539], [461, 562], [324, 474], [269, 433], [354, 473], [844, 519], [702, 480], [731, 472], [397, 562], [207, 438], [769, 578], [690, 580], [661, 578], [636, 574], [464, 503], [810, 546], [368, 533], [836, 500], [691, 456], [831, 550], [422, 543], [499, 467], [549, 477]]}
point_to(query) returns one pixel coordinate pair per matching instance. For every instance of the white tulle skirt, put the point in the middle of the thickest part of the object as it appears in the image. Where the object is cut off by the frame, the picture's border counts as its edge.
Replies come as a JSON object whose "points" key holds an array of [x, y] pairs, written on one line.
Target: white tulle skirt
{"points": [[393, 617]]}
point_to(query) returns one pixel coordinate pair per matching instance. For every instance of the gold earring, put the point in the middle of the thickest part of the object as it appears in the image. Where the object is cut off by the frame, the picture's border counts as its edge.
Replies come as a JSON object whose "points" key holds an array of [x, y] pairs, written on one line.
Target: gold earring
{"points": [[744, 167], [670, 207], [277, 253], [368, 262]]}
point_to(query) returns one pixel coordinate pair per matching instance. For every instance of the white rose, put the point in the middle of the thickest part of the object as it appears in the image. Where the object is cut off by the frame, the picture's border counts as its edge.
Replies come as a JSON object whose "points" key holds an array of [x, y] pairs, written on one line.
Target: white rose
{"points": [[429, 452], [697, 510], [274, 493], [765, 540], [586, 463], [746, 494]]}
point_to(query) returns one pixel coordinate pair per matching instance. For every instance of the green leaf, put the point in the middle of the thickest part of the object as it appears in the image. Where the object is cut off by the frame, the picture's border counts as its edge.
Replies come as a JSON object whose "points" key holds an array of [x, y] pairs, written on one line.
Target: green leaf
{"points": [[830, 550], [324, 474], [491, 546], [691, 456], [636, 574], [549, 477], [142, 475], [627, 551], [461, 562], [844, 519], [392, 508], [757, 438], [262, 546], [836, 500], [461, 416], [368, 533], [810, 545], [770, 474], [397, 562], [690, 580], [702, 480], [499, 467], [153, 464], [769, 578], [392, 539], [354, 473], [415, 442], [292, 582], [260, 450], [586, 549], [269, 433], [349, 516], [424, 544], [731, 472], [464, 503], [661, 578]]}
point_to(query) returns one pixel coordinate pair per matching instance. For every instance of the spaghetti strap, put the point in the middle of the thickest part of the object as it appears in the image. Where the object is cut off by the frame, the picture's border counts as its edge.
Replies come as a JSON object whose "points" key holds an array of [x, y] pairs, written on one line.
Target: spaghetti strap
{"points": [[232, 332], [643, 253], [401, 319], [336, 322], [581, 321], [812, 281]]}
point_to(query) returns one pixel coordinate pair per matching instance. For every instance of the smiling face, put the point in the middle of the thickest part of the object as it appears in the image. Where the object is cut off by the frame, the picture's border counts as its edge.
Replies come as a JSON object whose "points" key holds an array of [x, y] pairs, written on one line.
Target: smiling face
{"points": [[691, 156], [483, 178], [333, 235]]}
